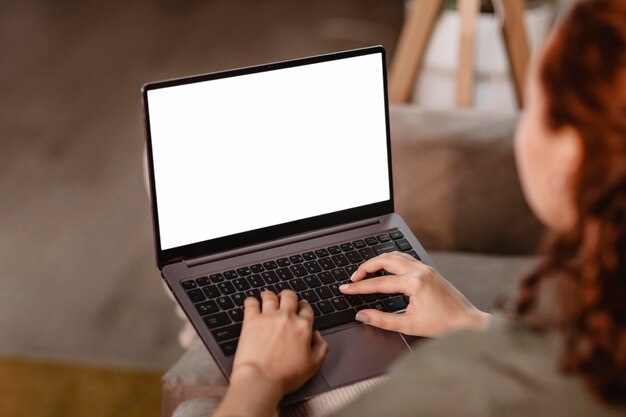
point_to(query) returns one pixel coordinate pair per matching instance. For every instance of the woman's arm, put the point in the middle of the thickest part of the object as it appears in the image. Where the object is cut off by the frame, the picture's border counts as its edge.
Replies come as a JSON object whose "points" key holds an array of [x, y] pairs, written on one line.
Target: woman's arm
{"points": [[435, 306], [277, 353]]}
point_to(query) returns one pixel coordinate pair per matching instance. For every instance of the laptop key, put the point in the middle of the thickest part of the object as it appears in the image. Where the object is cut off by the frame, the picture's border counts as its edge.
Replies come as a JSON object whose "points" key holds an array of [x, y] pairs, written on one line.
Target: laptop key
{"points": [[326, 277], [311, 281], [354, 300], [325, 307], [340, 260], [310, 296], [312, 267], [351, 268], [284, 274], [217, 320], [244, 271], [378, 306], [395, 235], [239, 298], [269, 288], [371, 241], [358, 244], [230, 274], [340, 274], [270, 265], [354, 257], [296, 259], [211, 291], [298, 270], [226, 333], [280, 286], [414, 254], [202, 281], [236, 315], [334, 250], [188, 285], [270, 277], [215, 278], [196, 295], [385, 248], [283, 262], [241, 284], [395, 303], [256, 280], [229, 348], [346, 247], [316, 310], [225, 302], [297, 284], [208, 307], [226, 287], [366, 253], [321, 253], [335, 288], [403, 245], [257, 268], [339, 303], [254, 293], [326, 263], [383, 238], [324, 293], [334, 319], [369, 298], [308, 256]]}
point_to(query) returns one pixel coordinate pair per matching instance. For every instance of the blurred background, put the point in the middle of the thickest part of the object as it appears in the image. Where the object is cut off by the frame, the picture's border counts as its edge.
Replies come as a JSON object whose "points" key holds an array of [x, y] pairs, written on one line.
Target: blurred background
{"points": [[79, 289], [85, 324]]}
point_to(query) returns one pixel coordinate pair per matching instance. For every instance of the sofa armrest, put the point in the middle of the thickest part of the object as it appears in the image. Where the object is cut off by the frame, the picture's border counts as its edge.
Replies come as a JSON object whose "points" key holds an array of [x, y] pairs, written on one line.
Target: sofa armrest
{"points": [[456, 183]]}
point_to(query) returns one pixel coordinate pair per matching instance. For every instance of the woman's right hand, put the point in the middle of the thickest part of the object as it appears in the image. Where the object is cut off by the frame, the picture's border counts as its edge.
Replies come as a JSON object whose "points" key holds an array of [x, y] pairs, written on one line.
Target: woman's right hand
{"points": [[435, 306]]}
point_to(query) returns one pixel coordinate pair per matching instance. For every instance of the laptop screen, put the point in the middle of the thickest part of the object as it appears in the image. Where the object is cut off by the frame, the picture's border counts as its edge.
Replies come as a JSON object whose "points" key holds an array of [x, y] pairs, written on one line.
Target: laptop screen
{"points": [[244, 152]]}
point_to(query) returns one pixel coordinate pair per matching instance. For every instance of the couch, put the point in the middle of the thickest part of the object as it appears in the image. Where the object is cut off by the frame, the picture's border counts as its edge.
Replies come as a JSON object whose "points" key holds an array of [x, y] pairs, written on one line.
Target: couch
{"points": [[455, 184]]}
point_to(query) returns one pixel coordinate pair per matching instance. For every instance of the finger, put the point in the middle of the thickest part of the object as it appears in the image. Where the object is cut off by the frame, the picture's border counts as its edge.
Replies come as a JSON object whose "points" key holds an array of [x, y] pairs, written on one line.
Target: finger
{"points": [[319, 350], [388, 321], [391, 262], [390, 284], [288, 301], [305, 310], [269, 301], [251, 307]]}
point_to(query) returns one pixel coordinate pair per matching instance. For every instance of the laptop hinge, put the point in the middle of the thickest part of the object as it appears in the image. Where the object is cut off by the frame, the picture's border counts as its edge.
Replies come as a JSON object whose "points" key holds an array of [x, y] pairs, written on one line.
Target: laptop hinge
{"points": [[279, 242]]}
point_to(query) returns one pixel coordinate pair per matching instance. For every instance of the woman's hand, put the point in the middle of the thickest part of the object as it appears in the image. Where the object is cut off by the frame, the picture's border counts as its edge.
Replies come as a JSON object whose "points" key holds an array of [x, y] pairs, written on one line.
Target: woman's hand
{"points": [[435, 306], [277, 353], [277, 340]]}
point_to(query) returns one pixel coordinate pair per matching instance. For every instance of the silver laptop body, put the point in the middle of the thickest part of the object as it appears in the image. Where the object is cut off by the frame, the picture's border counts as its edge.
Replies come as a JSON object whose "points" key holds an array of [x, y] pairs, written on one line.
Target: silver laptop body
{"points": [[275, 176]]}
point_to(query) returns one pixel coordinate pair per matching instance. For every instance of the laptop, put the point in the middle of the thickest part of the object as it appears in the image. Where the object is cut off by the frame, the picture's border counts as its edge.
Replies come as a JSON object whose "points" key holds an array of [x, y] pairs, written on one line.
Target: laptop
{"points": [[273, 177]]}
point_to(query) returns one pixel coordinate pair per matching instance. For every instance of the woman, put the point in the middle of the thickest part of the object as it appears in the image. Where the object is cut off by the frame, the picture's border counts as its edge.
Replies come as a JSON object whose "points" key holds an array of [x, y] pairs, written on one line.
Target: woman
{"points": [[564, 352]]}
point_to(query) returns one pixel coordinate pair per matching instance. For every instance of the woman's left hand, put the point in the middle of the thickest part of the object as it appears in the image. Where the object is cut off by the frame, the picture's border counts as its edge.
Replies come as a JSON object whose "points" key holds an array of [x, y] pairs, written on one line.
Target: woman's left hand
{"points": [[278, 352], [277, 341]]}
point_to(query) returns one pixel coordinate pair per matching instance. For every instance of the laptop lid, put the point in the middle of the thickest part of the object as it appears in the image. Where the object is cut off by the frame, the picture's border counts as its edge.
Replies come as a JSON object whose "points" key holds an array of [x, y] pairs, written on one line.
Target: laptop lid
{"points": [[255, 154]]}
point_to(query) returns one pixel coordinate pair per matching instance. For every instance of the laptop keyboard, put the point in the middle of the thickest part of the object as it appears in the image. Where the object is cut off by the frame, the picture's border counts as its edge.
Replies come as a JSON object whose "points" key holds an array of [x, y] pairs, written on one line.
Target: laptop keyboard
{"points": [[314, 275]]}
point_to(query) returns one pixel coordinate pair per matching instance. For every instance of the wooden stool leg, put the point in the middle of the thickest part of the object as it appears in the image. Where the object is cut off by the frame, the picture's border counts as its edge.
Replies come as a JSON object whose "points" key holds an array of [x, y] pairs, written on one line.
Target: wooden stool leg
{"points": [[415, 33], [468, 13], [514, 32]]}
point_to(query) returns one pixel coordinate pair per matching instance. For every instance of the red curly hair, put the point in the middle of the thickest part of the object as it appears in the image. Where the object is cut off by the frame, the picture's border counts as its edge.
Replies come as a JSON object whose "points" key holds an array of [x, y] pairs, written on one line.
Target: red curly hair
{"points": [[583, 75]]}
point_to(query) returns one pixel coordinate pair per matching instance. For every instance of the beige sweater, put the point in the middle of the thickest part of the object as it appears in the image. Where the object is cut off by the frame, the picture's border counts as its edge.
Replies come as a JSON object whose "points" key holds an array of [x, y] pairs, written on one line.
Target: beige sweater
{"points": [[507, 370]]}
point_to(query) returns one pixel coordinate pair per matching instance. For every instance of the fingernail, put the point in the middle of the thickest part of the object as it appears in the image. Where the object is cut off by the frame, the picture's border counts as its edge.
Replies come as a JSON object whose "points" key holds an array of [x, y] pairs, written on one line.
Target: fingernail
{"points": [[343, 287], [362, 317], [352, 276]]}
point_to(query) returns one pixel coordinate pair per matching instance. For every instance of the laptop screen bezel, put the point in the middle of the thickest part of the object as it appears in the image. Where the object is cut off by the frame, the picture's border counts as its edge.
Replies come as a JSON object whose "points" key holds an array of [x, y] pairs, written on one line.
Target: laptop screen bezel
{"points": [[253, 237]]}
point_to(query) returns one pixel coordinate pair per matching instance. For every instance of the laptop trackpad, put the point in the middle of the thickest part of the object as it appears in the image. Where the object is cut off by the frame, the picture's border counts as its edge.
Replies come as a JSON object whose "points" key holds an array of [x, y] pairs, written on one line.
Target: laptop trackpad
{"points": [[360, 352]]}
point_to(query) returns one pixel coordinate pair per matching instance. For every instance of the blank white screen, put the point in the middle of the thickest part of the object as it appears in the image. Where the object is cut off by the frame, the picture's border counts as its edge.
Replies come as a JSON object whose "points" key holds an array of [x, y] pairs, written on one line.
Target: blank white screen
{"points": [[246, 152]]}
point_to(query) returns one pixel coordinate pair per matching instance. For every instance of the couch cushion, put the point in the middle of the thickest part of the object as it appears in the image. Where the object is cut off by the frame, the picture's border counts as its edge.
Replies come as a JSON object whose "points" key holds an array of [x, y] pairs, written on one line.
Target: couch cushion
{"points": [[456, 183]]}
